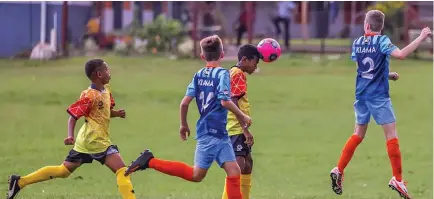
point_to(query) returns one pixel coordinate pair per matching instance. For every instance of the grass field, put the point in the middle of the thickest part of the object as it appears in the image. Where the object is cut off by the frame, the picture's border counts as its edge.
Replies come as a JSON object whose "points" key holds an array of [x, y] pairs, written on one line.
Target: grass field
{"points": [[302, 116]]}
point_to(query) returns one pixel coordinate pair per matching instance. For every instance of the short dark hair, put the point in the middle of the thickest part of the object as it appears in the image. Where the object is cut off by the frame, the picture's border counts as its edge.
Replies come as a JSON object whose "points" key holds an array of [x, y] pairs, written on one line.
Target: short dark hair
{"points": [[249, 51], [211, 47], [92, 66]]}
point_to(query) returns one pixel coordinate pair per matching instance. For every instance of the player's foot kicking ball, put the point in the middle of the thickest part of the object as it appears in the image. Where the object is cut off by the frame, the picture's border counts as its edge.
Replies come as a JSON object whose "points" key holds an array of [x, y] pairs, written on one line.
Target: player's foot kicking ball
{"points": [[336, 178], [399, 187], [141, 163], [14, 188]]}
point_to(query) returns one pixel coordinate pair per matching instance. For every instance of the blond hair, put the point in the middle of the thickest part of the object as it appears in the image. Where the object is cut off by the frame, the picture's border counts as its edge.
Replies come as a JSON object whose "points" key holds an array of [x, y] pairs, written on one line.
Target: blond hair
{"points": [[375, 19]]}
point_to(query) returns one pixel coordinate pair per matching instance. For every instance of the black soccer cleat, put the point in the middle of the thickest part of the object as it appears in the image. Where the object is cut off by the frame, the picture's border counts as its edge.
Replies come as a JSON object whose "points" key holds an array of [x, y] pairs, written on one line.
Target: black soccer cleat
{"points": [[13, 188], [141, 163]]}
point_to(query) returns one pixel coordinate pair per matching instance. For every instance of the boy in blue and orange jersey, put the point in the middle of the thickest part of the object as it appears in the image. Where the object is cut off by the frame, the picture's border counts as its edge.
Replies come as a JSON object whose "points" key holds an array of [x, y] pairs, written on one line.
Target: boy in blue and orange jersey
{"points": [[372, 53]]}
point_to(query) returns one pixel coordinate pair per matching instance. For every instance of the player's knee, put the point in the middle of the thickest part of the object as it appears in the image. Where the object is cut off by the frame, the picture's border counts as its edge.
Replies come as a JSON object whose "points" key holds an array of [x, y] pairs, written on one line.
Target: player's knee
{"points": [[241, 160], [63, 172], [233, 171], [360, 130], [197, 178]]}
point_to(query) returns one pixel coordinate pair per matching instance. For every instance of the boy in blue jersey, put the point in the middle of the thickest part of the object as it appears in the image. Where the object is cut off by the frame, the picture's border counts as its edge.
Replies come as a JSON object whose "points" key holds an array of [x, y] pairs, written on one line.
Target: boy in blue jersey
{"points": [[372, 54], [211, 88]]}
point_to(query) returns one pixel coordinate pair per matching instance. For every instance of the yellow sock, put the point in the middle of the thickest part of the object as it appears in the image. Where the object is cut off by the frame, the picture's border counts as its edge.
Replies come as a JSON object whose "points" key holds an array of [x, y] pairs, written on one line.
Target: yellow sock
{"points": [[43, 174], [124, 184], [246, 183], [225, 194]]}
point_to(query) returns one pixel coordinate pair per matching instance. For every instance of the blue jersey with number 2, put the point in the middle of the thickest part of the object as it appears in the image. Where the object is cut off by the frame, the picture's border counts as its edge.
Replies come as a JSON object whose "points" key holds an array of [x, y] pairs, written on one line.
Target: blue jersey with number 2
{"points": [[209, 86], [372, 54]]}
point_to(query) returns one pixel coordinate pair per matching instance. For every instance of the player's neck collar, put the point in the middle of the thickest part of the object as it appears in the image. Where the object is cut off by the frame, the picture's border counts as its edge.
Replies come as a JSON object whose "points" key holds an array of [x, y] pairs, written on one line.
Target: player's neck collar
{"points": [[372, 34], [93, 86], [212, 66]]}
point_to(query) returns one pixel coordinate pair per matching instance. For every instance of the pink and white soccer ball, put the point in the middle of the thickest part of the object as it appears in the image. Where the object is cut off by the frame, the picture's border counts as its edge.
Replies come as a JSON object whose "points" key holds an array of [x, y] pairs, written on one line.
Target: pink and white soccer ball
{"points": [[269, 49]]}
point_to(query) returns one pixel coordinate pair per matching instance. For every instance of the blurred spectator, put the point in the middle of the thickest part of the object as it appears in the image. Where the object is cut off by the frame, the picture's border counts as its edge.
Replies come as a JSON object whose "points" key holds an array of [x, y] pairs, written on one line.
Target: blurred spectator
{"points": [[285, 11], [93, 26], [241, 25], [212, 20]]}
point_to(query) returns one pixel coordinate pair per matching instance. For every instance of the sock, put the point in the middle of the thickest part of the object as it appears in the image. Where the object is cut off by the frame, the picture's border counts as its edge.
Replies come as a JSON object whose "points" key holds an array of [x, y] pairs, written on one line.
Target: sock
{"points": [[124, 184], [43, 174], [233, 187], [348, 151], [172, 168], [395, 158], [225, 192], [246, 183]]}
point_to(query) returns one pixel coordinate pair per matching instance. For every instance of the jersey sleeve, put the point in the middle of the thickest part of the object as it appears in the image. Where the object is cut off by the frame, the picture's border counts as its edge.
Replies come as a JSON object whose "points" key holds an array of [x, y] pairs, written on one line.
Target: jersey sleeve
{"points": [[223, 89], [386, 46], [238, 85], [81, 107], [191, 89], [112, 100], [353, 51]]}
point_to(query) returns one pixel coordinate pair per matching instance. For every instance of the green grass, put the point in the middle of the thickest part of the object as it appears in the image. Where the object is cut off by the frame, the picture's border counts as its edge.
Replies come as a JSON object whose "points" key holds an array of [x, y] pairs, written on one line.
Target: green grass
{"points": [[302, 113]]}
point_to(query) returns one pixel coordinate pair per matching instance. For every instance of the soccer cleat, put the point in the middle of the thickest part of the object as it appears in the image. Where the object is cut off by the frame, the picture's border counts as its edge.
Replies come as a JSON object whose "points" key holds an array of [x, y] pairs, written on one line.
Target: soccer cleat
{"points": [[337, 177], [399, 187], [13, 188], [141, 163]]}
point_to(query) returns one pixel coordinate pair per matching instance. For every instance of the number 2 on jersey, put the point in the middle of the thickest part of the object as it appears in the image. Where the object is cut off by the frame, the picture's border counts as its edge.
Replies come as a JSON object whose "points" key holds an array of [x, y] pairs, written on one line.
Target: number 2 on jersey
{"points": [[370, 62], [205, 102]]}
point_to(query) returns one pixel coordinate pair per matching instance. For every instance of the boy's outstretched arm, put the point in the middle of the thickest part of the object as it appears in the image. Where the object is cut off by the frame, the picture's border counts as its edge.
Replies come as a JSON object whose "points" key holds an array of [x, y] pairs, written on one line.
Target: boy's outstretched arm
{"points": [[403, 53], [69, 140], [184, 130]]}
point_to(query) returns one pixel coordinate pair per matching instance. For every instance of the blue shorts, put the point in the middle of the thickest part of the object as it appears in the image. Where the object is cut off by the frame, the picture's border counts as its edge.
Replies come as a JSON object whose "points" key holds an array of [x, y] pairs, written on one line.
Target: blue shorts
{"points": [[210, 149], [380, 109]]}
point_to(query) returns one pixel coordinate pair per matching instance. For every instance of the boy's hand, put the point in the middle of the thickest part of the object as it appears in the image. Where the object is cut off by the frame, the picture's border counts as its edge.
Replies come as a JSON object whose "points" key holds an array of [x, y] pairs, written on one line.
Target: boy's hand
{"points": [[246, 121], [184, 132], [249, 137], [393, 76], [119, 113], [426, 32], [69, 140], [122, 113]]}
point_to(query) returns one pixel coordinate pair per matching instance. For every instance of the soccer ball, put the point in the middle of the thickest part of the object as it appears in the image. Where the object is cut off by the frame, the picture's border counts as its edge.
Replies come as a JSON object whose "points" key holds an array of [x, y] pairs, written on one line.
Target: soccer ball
{"points": [[269, 49]]}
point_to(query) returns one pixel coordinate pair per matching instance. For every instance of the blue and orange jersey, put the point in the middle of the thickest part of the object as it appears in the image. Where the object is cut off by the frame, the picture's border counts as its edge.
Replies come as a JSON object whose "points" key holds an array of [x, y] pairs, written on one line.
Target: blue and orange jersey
{"points": [[209, 86], [372, 54], [95, 106], [239, 90]]}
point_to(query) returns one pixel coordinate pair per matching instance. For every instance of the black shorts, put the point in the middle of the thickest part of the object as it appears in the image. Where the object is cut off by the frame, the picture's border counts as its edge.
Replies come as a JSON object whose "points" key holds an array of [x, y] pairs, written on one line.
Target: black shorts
{"points": [[240, 148], [75, 156]]}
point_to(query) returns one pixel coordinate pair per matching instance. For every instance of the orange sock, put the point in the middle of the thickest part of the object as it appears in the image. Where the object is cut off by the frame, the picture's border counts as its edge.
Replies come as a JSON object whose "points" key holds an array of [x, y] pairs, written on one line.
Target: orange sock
{"points": [[348, 151], [172, 168], [233, 187], [395, 158]]}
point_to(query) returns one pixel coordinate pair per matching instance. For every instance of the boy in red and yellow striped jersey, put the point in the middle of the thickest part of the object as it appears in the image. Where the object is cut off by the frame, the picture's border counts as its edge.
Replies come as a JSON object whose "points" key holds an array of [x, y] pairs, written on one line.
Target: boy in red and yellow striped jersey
{"points": [[92, 142], [241, 138]]}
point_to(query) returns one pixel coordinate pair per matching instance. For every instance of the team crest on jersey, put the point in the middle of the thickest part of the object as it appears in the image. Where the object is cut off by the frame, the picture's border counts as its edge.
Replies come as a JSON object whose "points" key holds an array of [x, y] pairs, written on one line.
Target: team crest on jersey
{"points": [[366, 40], [100, 105]]}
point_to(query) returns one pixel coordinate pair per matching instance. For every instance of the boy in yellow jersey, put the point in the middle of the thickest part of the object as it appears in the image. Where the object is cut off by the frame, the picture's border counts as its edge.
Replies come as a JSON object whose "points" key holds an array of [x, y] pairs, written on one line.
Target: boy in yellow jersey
{"points": [[92, 142], [241, 138]]}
